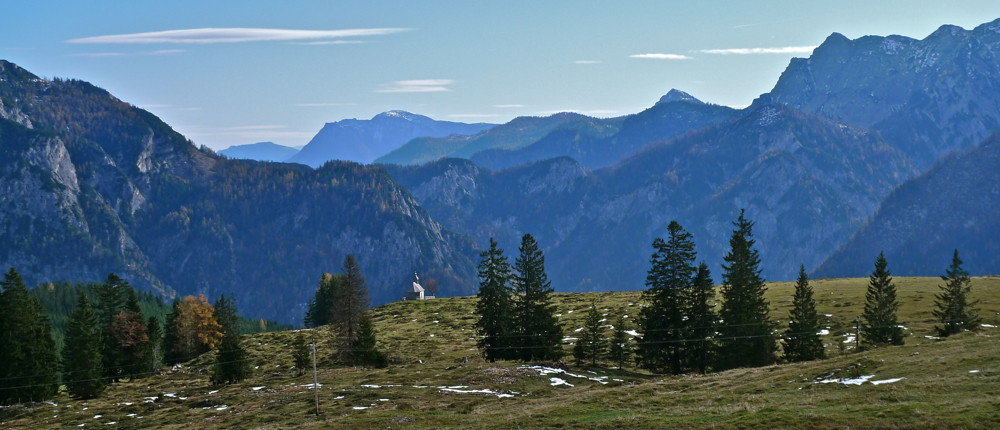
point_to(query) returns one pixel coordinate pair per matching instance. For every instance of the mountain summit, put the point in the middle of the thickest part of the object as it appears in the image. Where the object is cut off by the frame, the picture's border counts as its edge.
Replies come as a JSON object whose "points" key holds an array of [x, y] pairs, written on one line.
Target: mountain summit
{"points": [[365, 140], [676, 95]]}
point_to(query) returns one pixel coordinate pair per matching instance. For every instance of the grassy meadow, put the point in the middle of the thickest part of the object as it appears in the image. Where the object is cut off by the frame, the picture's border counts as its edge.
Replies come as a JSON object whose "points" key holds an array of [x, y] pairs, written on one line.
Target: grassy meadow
{"points": [[438, 379]]}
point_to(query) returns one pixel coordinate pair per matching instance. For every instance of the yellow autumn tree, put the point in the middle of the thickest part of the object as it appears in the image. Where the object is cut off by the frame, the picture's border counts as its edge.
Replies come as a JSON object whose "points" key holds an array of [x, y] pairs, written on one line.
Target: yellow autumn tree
{"points": [[197, 330]]}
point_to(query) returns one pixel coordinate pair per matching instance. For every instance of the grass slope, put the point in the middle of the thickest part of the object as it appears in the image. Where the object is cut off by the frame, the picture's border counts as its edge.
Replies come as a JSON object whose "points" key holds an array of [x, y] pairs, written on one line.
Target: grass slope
{"points": [[439, 380]]}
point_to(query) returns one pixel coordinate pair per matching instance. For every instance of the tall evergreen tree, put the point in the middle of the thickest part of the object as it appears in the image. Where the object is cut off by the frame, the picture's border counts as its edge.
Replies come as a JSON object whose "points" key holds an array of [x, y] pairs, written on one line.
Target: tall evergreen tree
{"points": [[111, 297], [620, 349], [495, 305], [171, 346], [323, 308], [878, 322], [668, 280], [301, 354], [802, 342], [352, 303], [81, 354], [953, 309], [28, 366], [155, 332], [231, 364], [129, 331], [700, 348], [593, 343], [746, 339], [364, 350], [540, 335]]}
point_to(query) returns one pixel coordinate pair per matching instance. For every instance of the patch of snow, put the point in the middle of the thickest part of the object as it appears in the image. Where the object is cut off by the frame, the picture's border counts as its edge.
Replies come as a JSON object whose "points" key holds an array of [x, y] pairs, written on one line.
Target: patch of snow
{"points": [[559, 381], [932, 337], [886, 381], [482, 391], [169, 394], [828, 315], [558, 315], [632, 333], [258, 388], [358, 408], [823, 332], [850, 339], [378, 386], [97, 416], [55, 404], [618, 380], [578, 330], [213, 392], [988, 325], [383, 400], [543, 370], [436, 321], [567, 339], [432, 335], [310, 386], [847, 381], [130, 415], [222, 408], [570, 311], [111, 423], [338, 397], [974, 371]]}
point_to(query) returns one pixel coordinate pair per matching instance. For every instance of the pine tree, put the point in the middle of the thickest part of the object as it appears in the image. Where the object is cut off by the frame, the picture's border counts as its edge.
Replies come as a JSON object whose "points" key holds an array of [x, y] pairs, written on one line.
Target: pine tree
{"points": [[231, 364], [364, 350], [27, 352], [592, 340], [352, 303], [301, 354], [620, 349], [495, 305], [540, 335], [802, 342], [746, 339], [701, 350], [668, 280], [879, 325], [81, 354], [953, 310]]}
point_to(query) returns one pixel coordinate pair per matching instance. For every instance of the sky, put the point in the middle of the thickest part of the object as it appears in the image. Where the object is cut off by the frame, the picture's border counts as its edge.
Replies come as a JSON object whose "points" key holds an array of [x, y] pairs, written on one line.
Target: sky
{"points": [[228, 73]]}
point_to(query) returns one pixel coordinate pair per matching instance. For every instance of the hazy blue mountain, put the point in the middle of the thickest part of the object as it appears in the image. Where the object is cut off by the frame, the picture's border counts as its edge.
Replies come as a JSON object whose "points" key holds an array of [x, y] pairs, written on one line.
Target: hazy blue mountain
{"points": [[927, 97], [954, 205], [260, 151], [518, 133], [364, 141], [676, 113], [809, 183], [91, 185]]}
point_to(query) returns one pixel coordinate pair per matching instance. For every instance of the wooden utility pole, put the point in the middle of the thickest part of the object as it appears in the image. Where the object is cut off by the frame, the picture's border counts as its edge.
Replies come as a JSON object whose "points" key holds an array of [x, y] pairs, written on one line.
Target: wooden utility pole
{"points": [[857, 334], [315, 381]]}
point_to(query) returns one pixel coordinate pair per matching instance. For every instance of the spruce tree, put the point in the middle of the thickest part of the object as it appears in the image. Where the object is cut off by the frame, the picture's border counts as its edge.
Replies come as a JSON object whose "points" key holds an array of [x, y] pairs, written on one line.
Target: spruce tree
{"points": [[129, 330], [668, 281], [540, 335], [802, 342], [594, 343], [364, 349], [301, 354], [81, 354], [28, 366], [878, 322], [352, 303], [110, 300], [620, 349], [171, 345], [155, 333], [701, 322], [746, 339], [953, 309], [323, 307], [495, 306], [231, 364]]}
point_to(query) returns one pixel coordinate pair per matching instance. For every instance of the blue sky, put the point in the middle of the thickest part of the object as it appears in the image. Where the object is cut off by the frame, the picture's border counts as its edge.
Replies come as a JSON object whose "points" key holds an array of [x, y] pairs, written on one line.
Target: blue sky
{"points": [[304, 63]]}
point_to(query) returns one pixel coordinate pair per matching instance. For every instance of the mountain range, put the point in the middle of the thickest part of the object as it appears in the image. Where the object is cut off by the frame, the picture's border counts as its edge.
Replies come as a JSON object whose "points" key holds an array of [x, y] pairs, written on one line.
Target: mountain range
{"points": [[363, 141], [260, 151]]}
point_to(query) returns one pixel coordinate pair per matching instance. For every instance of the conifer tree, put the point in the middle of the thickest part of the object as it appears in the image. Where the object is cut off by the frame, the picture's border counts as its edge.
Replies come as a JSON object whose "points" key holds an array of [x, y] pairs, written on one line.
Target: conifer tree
{"points": [[110, 300], [129, 332], [620, 349], [878, 322], [701, 349], [746, 339], [301, 354], [495, 305], [352, 303], [81, 354], [231, 364], [28, 365], [668, 280], [155, 333], [363, 350], [953, 309], [540, 335], [593, 342], [802, 342], [323, 307], [171, 336]]}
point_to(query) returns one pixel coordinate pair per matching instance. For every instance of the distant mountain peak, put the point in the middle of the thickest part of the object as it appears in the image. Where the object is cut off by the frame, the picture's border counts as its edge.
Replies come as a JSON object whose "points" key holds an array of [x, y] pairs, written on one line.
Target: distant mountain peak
{"points": [[675, 95], [399, 114]]}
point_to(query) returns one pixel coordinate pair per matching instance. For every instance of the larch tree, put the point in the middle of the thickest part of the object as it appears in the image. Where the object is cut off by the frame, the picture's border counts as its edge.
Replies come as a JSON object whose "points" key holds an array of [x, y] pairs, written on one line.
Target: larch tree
{"points": [[802, 342], [878, 322], [746, 338], [28, 366], [538, 329], [495, 305], [701, 323], [81, 354], [231, 364], [952, 307]]}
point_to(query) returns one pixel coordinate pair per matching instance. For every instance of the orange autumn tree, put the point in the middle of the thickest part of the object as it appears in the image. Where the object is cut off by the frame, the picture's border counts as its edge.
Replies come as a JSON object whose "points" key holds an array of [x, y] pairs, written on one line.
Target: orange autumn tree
{"points": [[195, 327]]}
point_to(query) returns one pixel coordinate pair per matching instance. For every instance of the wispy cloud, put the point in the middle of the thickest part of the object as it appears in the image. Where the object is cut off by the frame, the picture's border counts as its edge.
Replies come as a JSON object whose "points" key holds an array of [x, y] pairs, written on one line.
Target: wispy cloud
{"points": [[330, 42], [756, 51], [508, 106], [265, 131], [126, 54], [234, 35], [661, 56], [417, 86], [323, 104], [586, 62]]}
